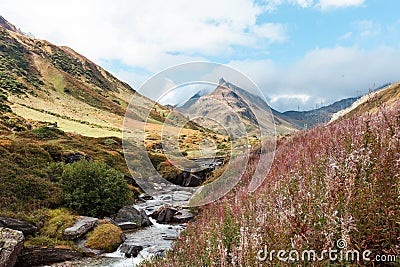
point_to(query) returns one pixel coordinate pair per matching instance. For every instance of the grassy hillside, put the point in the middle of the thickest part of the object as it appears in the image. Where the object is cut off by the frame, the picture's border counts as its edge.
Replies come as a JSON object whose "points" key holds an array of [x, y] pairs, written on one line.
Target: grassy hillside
{"points": [[373, 101], [43, 82], [31, 164], [334, 182]]}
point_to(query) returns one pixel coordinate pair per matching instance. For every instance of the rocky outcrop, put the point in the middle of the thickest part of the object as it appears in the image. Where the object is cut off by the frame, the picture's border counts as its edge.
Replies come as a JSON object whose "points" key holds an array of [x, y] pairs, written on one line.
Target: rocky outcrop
{"points": [[11, 243], [130, 250], [129, 216], [74, 157], [164, 214], [41, 256], [81, 227], [190, 179], [18, 225]]}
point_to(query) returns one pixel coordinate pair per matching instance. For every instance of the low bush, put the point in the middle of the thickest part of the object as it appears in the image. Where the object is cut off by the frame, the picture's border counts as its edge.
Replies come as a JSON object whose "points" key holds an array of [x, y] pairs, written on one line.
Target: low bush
{"points": [[58, 220], [105, 236]]}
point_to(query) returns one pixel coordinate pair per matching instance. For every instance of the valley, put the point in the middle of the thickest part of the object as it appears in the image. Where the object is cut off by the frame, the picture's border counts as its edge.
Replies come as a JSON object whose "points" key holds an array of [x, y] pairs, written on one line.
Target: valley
{"points": [[77, 144]]}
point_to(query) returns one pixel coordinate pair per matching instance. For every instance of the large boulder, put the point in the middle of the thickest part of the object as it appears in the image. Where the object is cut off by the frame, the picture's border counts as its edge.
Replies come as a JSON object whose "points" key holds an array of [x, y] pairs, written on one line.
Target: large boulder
{"points": [[128, 215], [74, 157], [130, 250], [189, 179], [164, 214], [81, 227], [11, 243], [42, 256], [192, 180], [24, 227]]}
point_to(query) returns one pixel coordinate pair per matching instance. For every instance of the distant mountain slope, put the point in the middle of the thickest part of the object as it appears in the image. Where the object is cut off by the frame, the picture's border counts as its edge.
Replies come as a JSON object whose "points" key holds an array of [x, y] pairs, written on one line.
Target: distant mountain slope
{"points": [[308, 119], [384, 96], [237, 99], [44, 82]]}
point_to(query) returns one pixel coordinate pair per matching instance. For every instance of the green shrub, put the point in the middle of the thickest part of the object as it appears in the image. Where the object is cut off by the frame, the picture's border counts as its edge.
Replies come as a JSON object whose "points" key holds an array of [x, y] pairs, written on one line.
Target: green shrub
{"points": [[91, 188]]}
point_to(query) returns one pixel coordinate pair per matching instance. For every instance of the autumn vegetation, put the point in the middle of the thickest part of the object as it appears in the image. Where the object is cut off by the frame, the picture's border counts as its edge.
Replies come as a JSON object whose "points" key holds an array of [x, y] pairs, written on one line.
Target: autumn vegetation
{"points": [[340, 181]]}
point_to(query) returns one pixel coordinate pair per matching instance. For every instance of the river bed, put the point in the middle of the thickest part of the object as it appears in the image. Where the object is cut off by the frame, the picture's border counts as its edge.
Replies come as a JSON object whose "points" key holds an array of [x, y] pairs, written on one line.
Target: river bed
{"points": [[155, 239]]}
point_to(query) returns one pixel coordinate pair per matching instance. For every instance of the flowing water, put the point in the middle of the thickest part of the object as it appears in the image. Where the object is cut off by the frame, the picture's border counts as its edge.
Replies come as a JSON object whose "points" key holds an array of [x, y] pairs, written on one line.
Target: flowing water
{"points": [[155, 239]]}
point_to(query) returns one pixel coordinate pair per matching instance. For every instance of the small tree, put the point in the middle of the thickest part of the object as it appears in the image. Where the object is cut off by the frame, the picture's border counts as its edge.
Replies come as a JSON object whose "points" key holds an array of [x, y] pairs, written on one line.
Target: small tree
{"points": [[93, 189]]}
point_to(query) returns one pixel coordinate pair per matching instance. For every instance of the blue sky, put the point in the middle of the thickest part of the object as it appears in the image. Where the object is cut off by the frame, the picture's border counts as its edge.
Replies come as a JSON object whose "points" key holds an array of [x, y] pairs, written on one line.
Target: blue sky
{"points": [[301, 53]]}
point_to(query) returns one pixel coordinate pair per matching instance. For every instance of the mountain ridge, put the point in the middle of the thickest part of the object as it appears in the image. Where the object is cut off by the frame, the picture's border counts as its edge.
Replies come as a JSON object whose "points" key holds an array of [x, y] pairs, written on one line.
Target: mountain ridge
{"points": [[239, 101]]}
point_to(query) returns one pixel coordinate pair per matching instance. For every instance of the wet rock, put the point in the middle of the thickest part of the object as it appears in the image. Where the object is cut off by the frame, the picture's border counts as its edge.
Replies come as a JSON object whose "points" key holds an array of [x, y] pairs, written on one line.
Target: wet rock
{"points": [[169, 237], [11, 243], [183, 216], [80, 228], [164, 214], [145, 197], [130, 250], [41, 256], [130, 214], [80, 243], [126, 226], [14, 224], [189, 179]]}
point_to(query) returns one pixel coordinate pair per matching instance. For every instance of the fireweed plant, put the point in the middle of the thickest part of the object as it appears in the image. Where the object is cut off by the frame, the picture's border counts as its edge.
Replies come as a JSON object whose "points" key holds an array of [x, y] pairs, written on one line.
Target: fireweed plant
{"points": [[340, 181]]}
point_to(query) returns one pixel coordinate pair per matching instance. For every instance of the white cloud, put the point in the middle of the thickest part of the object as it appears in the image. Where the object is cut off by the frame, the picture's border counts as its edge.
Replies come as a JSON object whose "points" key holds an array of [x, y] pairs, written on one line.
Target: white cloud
{"points": [[303, 3], [325, 4], [272, 5], [345, 36], [301, 97], [274, 32], [368, 28], [149, 34], [323, 75]]}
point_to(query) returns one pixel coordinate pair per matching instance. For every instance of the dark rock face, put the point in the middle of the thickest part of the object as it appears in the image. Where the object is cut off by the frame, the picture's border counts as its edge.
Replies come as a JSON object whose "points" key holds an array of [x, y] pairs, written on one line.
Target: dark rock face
{"points": [[11, 243], [130, 250], [164, 214], [74, 157], [24, 227], [126, 226], [130, 214], [192, 180], [41, 256], [80, 228], [189, 179]]}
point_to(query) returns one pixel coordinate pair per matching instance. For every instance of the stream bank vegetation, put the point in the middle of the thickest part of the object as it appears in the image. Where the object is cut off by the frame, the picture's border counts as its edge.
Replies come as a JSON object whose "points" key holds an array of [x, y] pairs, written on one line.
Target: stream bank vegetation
{"points": [[340, 181]]}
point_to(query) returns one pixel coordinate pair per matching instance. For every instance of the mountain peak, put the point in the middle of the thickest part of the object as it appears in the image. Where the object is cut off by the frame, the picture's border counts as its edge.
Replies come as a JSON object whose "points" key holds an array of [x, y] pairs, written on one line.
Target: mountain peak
{"points": [[7, 25], [221, 81]]}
